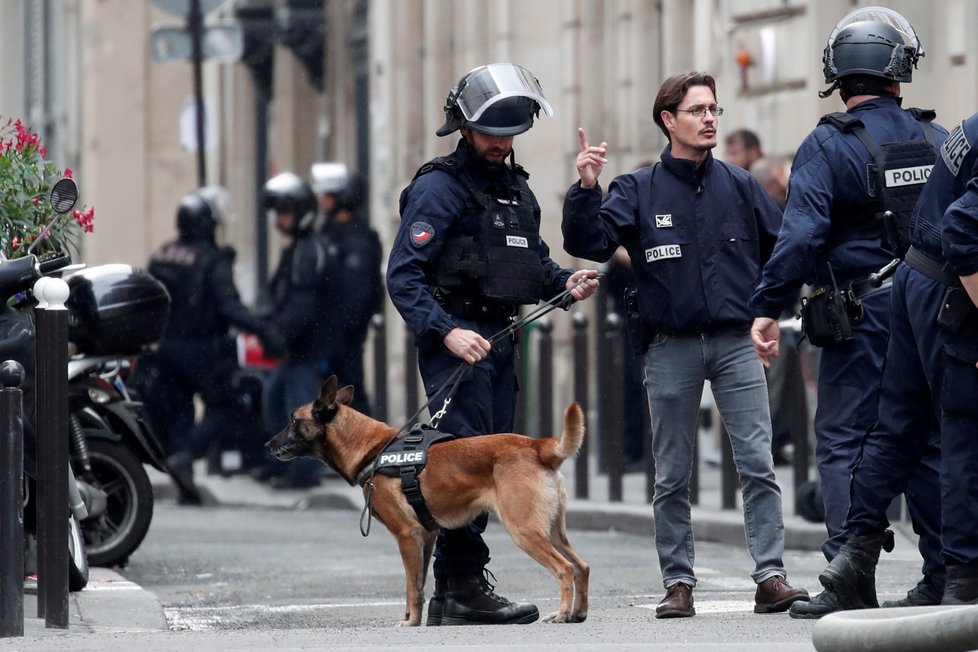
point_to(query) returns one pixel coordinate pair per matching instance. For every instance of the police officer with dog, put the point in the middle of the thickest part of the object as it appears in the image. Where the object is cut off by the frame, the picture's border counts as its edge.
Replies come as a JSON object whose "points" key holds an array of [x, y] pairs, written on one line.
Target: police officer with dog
{"points": [[853, 185], [467, 255], [926, 398]]}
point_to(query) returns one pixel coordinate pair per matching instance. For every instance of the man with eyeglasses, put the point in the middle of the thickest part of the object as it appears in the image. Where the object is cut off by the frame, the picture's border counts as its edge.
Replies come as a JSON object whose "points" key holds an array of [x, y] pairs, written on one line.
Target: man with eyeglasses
{"points": [[697, 231], [853, 186]]}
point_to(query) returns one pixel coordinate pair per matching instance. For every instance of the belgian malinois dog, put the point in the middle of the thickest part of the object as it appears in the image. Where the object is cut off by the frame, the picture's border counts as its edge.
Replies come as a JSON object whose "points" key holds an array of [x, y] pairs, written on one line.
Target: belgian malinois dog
{"points": [[514, 476]]}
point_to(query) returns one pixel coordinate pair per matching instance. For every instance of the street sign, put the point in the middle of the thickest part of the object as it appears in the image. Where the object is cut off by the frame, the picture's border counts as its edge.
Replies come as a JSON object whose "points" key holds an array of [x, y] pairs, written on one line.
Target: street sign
{"points": [[182, 7], [223, 42]]}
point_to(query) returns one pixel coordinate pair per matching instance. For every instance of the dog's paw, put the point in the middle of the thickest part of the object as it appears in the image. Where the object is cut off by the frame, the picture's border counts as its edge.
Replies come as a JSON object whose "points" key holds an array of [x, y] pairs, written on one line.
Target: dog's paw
{"points": [[557, 617], [578, 618], [410, 623]]}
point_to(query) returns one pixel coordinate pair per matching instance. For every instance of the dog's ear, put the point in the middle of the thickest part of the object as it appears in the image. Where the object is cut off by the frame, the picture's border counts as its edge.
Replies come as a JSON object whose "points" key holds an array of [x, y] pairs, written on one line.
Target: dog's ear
{"points": [[345, 395], [327, 393]]}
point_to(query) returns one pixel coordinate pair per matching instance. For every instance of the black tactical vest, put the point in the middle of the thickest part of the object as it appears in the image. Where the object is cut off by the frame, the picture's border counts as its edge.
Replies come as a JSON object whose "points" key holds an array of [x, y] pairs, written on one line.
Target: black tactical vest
{"points": [[895, 177], [184, 268], [501, 263]]}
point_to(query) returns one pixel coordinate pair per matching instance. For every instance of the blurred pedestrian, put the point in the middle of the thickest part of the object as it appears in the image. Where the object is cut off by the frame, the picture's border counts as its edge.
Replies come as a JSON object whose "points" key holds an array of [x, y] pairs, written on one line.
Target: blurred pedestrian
{"points": [[302, 309], [359, 290], [697, 231], [196, 355], [743, 148]]}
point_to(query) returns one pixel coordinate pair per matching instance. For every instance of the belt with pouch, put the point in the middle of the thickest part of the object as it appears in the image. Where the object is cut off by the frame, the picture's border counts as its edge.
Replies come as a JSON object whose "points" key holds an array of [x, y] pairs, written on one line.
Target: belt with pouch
{"points": [[930, 267], [867, 286], [475, 308]]}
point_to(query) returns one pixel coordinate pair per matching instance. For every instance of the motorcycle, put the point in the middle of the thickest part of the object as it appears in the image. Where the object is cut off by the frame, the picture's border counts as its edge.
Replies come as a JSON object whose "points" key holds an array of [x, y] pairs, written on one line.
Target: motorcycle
{"points": [[114, 311], [17, 343]]}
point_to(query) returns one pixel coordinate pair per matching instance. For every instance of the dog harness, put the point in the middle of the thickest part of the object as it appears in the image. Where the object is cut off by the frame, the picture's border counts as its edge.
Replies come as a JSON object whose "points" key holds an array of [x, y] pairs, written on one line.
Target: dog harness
{"points": [[405, 457]]}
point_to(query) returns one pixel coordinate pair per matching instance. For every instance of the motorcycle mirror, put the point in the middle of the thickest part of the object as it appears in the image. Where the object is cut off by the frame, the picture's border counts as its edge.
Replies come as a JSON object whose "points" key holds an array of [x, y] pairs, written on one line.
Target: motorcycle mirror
{"points": [[64, 194]]}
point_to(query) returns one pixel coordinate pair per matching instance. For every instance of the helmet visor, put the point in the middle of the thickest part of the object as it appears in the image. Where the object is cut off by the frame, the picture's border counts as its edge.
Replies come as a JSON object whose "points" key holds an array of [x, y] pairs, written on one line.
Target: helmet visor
{"points": [[880, 15], [487, 85]]}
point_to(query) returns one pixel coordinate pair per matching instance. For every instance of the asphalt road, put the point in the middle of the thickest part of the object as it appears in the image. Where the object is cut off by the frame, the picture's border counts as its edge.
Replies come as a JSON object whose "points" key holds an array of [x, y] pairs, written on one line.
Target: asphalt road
{"points": [[245, 578]]}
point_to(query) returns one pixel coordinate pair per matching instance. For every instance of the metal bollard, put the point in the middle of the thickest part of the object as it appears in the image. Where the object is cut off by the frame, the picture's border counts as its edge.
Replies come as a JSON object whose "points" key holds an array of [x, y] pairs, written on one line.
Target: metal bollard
{"points": [[379, 326], [11, 500], [52, 451], [581, 380], [613, 425], [545, 427]]}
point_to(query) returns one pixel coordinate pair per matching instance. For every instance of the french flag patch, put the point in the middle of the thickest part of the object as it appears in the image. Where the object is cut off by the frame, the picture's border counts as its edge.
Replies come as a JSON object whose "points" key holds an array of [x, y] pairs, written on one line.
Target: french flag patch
{"points": [[421, 233]]}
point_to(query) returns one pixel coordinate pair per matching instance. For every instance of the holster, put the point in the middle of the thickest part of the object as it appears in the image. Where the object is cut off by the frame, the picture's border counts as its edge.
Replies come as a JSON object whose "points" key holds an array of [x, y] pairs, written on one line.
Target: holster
{"points": [[956, 309], [825, 317], [638, 334]]}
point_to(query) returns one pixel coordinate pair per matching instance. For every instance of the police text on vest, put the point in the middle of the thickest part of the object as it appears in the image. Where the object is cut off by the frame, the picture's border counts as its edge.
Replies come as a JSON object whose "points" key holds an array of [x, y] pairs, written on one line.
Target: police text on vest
{"points": [[662, 252], [401, 458], [516, 241], [907, 176]]}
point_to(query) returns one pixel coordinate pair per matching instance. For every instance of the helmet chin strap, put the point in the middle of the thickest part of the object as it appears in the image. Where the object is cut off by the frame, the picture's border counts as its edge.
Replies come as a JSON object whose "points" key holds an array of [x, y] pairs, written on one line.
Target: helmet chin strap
{"points": [[828, 91]]}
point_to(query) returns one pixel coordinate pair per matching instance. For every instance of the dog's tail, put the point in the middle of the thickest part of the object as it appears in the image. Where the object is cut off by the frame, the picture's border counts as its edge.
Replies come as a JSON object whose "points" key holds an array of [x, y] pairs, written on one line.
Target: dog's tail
{"points": [[558, 450]]}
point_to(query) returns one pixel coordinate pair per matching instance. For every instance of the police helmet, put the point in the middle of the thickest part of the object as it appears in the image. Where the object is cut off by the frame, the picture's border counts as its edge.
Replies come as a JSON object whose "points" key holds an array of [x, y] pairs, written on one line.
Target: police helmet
{"points": [[197, 218], [328, 178], [873, 41], [288, 193], [499, 99]]}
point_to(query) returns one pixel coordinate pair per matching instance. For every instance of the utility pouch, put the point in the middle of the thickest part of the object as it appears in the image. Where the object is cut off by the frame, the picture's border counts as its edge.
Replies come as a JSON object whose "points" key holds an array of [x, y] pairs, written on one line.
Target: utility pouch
{"points": [[825, 318], [636, 330], [956, 307]]}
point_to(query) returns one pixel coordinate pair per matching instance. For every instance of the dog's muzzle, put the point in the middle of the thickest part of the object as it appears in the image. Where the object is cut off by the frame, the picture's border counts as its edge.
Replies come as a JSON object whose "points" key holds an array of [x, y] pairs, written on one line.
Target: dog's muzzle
{"points": [[282, 446]]}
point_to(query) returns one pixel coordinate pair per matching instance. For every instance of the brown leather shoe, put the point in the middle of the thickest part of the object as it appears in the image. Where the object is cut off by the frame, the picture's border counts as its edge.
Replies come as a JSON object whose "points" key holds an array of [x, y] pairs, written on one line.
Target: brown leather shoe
{"points": [[678, 602], [775, 594]]}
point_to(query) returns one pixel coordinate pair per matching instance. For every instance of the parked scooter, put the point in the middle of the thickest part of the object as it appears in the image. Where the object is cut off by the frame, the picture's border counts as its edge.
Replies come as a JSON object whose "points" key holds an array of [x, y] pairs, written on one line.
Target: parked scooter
{"points": [[17, 336], [114, 312]]}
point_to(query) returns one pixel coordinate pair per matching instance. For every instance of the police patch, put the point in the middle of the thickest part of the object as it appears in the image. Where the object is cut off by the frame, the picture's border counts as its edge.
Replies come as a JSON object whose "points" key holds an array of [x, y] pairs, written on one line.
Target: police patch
{"points": [[663, 221], [955, 148], [662, 252], [516, 241], [421, 233]]}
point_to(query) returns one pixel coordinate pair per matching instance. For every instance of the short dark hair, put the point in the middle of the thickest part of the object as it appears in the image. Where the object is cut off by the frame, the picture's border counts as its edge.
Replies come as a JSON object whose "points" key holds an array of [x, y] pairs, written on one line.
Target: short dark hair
{"points": [[672, 92], [746, 137]]}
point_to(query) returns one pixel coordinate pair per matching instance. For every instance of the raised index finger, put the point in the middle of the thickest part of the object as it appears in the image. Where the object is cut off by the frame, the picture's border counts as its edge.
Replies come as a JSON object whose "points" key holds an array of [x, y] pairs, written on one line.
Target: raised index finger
{"points": [[581, 136]]}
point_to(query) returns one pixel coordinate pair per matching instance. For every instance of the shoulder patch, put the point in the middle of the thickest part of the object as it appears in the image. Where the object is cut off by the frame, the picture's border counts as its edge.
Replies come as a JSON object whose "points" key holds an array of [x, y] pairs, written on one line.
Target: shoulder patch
{"points": [[421, 233], [955, 148]]}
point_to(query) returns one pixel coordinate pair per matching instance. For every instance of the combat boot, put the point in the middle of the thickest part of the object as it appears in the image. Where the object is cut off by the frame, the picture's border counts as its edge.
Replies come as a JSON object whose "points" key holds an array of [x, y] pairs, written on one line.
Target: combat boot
{"points": [[922, 595], [850, 579], [962, 584], [470, 600], [437, 603]]}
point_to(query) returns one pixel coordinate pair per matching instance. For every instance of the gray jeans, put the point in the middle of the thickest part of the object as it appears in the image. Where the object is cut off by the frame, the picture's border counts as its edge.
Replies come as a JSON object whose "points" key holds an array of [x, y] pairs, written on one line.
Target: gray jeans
{"points": [[675, 370]]}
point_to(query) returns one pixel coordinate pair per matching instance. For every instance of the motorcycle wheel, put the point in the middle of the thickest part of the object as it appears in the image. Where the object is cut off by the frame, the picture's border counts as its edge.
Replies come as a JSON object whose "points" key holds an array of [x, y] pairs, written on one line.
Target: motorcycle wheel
{"points": [[112, 537], [77, 559]]}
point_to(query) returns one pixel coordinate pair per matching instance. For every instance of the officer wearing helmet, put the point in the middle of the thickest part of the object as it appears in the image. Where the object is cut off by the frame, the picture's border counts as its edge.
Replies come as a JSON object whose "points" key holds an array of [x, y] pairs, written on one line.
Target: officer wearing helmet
{"points": [[467, 255], [929, 385], [196, 354], [359, 291], [302, 309], [853, 186]]}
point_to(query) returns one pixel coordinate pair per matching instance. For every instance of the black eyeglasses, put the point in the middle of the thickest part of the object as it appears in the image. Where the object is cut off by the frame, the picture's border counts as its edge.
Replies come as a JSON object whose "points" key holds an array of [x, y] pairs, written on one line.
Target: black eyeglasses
{"points": [[700, 111]]}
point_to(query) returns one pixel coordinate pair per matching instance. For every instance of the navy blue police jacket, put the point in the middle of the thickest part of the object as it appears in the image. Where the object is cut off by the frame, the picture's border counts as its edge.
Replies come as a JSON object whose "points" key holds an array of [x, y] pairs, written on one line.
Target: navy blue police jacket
{"points": [[697, 238], [952, 194], [829, 176], [434, 207]]}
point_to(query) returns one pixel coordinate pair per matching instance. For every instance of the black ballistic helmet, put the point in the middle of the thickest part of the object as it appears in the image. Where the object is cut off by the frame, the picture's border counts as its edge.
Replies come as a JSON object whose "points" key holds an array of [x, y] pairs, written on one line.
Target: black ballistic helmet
{"points": [[872, 41], [288, 193], [197, 218], [500, 99]]}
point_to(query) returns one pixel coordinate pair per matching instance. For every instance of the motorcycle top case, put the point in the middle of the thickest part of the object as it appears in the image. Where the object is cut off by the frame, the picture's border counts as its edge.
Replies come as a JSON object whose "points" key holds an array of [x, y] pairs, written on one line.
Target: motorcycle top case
{"points": [[115, 309]]}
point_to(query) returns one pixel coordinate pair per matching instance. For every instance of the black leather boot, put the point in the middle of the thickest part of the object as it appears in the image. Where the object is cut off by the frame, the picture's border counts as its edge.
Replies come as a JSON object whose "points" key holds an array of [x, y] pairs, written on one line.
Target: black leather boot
{"points": [[922, 595], [470, 600], [436, 604], [850, 579], [962, 584]]}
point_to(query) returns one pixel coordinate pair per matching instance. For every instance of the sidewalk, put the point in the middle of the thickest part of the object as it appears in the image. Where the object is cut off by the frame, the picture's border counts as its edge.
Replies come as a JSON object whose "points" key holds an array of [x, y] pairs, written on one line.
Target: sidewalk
{"points": [[113, 605]]}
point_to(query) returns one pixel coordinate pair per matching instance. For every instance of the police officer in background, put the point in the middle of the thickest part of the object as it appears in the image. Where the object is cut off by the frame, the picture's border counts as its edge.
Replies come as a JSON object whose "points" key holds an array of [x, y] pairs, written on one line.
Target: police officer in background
{"points": [[468, 253], [833, 238], [927, 398], [359, 291], [302, 310], [196, 354]]}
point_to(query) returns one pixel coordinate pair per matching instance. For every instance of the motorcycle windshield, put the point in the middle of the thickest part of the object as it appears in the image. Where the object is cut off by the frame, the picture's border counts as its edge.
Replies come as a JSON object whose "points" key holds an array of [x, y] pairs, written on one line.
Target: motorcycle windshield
{"points": [[489, 84]]}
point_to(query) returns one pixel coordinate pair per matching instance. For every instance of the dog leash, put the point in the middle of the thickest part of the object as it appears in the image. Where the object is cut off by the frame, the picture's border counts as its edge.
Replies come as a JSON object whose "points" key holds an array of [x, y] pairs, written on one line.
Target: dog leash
{"points": [[366, 477]]}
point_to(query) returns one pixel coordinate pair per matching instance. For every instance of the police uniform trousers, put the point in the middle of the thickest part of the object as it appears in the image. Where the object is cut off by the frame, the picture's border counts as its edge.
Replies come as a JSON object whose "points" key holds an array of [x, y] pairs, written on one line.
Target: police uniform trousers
{"points": [[902, 453], [959, 446], [484, 403], [848, 391]]}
